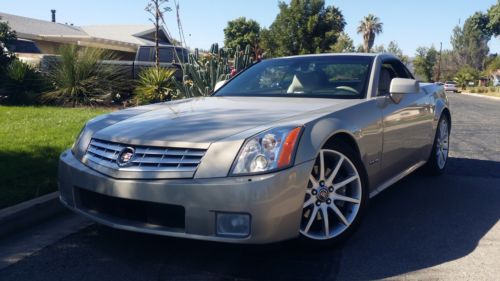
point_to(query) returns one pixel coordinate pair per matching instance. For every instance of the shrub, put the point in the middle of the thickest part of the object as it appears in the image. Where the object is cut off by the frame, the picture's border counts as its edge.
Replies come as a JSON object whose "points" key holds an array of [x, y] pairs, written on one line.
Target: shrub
{"points": [[202, 72], [80, 77], [155, 85], [465, 75], [22, 84]]}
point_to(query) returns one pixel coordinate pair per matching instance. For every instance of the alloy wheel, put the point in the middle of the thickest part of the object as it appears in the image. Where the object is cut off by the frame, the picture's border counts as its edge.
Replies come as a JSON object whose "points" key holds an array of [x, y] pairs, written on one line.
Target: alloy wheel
{"points": [[442, 144], [333, 196]]}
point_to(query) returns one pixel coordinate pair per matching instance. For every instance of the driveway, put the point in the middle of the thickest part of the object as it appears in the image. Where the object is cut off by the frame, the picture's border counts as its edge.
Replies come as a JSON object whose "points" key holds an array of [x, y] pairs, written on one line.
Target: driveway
{"points": [[444, 228]]}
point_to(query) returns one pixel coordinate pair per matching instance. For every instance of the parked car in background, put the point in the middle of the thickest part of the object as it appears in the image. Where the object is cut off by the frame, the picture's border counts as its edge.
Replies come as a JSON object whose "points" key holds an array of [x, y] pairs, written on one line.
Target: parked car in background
{"points": [[450, 86], [290, 147], [170, 57]]}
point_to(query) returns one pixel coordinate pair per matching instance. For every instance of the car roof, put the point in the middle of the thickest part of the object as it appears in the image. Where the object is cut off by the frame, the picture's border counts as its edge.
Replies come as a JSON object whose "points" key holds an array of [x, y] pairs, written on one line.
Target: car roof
{"points": [[371, 55]]}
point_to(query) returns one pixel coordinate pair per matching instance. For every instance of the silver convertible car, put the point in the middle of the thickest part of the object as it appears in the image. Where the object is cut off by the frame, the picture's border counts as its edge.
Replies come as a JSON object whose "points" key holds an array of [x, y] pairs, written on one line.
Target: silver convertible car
{"points": [[290, 148]]}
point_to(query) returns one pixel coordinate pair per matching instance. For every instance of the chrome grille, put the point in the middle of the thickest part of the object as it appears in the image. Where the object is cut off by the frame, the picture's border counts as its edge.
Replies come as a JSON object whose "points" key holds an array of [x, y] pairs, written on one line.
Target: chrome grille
{"points": [[147, 158]]}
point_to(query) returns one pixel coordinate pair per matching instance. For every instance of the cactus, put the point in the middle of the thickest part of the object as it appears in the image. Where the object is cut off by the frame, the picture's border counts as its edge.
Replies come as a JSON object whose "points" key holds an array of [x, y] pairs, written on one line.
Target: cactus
{"points": [[201, 73]]}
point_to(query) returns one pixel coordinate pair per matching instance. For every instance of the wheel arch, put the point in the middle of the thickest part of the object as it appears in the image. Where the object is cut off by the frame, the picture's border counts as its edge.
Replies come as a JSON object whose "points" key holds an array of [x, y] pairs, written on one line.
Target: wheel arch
{"points": [[327, 133], [446, 112], [442, 107], [345, 138]]}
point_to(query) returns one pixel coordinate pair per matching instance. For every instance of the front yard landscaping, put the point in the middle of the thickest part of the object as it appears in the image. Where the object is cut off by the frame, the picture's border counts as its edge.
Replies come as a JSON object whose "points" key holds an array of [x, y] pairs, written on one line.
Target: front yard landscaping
{"points": [[31, 139]]}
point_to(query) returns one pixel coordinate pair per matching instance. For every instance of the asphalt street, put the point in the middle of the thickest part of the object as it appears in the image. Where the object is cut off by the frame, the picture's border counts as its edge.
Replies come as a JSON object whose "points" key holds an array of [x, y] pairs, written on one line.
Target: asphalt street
{"points": [[422, 228]]}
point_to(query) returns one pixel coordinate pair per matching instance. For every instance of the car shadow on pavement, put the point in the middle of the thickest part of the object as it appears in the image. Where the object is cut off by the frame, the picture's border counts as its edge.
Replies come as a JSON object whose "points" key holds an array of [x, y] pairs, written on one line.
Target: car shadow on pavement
{"points": [[419, 222], [425, 221]]}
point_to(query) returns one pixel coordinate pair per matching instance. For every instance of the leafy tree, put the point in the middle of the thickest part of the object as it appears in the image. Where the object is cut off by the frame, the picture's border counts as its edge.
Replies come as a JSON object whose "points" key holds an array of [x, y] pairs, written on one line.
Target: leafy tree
{"points": [[493, 65], [344, 44], [360, 48], [6, 35], [494, 19], [370, 27], [449, 65], [424, 62], [394, 49], [470, 42], [465, 75], [241, 32], [303, 27], [378, 49]]}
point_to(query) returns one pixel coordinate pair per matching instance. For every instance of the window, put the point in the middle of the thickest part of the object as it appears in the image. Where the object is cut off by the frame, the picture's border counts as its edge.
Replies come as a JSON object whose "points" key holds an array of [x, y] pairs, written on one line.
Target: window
{"points": [[391, 69], [22, 46], [344, 77], [144, 54], [166, 55]]}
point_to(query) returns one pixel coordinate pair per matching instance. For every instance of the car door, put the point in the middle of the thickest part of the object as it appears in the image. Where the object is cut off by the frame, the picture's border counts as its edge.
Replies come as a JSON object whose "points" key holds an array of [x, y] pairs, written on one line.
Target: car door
{"points": [[407, 122]]}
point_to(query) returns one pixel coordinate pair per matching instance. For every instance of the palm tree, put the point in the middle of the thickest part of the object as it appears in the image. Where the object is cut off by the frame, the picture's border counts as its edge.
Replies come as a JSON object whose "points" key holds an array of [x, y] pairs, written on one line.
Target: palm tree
{"points": [[370, 26]]}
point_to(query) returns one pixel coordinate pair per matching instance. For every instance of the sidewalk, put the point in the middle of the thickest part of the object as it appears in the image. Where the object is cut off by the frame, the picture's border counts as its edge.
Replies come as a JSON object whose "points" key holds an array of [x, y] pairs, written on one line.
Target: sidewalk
{"points": [[481, 96], [30, 212]]}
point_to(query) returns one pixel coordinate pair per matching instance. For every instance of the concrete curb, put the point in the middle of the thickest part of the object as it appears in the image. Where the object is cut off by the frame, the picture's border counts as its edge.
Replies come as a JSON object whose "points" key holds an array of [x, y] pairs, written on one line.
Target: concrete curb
{"points": [[481, 96], [30, 212]]}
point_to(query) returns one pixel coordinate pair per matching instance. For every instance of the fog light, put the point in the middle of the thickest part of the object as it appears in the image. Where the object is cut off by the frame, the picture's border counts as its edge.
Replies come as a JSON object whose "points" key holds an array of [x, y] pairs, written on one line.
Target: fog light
{"points": [[237, 225]]}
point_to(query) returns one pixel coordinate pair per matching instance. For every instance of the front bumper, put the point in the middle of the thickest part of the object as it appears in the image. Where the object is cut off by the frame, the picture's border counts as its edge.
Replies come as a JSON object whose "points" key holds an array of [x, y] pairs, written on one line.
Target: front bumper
{"points": [[273, 201]]}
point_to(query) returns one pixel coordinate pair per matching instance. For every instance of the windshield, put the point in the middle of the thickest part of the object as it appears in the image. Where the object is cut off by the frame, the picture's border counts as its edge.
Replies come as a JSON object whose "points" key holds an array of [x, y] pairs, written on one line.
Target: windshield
{"points": [[343, 77]]}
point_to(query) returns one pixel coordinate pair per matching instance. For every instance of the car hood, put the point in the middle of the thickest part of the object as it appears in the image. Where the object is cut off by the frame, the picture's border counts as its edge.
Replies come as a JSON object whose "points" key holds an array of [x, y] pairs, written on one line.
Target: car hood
{"points": [[208, 119]]}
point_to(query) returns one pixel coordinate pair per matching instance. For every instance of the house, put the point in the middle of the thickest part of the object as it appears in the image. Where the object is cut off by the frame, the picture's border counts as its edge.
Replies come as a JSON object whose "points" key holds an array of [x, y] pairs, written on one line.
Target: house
{"points": [[495, 76], [50, 35]]}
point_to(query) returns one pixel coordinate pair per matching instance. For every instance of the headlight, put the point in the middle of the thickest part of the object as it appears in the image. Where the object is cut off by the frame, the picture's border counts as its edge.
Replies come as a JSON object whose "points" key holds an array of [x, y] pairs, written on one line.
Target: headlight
{"points": [[77, 140], [268, 151]]}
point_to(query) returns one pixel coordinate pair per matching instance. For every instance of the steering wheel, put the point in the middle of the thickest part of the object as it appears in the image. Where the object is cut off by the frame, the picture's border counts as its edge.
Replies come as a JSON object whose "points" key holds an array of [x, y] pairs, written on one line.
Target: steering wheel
{"points": [[347, 89]]}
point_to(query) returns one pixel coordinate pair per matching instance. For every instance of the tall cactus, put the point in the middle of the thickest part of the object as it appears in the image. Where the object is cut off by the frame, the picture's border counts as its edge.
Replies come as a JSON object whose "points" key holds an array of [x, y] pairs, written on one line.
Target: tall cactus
{"points": [[201, 73]]}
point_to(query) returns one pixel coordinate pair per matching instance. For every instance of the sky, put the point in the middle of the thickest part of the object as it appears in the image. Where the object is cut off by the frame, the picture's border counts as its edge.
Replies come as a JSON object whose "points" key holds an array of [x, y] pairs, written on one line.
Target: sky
{"points": [[411, 23]]}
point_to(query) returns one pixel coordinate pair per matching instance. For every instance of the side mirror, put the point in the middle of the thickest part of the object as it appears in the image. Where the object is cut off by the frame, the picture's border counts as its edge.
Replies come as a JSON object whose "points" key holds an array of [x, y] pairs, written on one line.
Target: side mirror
{"points": [[404, 86], [219, 84]]}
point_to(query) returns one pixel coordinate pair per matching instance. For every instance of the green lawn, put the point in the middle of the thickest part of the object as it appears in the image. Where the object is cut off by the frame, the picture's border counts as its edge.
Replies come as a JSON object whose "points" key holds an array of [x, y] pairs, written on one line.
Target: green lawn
{"points": [[31, 139]]}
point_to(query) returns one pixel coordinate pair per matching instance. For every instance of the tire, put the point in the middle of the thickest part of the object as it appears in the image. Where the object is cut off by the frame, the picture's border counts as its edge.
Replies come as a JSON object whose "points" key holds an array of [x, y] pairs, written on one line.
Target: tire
{"points": [[436, 164], [339, 193]]}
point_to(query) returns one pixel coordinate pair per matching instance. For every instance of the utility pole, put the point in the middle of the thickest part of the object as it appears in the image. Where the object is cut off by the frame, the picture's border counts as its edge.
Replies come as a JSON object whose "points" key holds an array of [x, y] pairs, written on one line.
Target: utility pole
{"points": [[438, 77]]}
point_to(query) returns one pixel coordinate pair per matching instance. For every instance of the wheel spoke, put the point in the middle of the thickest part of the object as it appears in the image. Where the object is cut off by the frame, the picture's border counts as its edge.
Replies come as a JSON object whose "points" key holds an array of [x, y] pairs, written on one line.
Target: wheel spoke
{"points": [[313, 181], [321, 166], [344, 182], [339, 197], [310, 201], [332, 176], [326, 224], [311, 219], [339, 214]]}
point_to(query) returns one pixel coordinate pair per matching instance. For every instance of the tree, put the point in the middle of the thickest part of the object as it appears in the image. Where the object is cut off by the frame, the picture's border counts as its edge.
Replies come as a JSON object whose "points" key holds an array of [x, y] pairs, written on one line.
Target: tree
{"points": [[6, 35], [449, 65], [156, 9], [494, 19], [303, 27], [493, 65], [465, 75], [344, 44], [241, 32], [470, 42], [424, 62], [378, 49], [394, 49], [370, 27]]}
